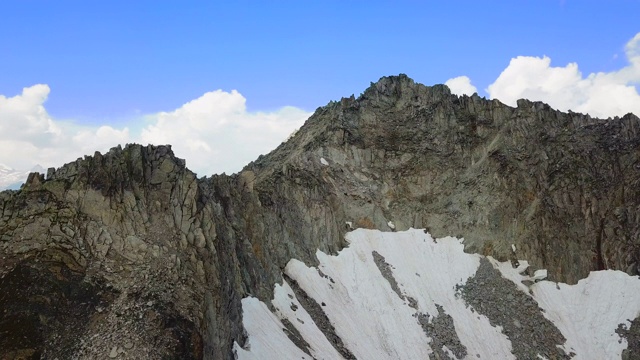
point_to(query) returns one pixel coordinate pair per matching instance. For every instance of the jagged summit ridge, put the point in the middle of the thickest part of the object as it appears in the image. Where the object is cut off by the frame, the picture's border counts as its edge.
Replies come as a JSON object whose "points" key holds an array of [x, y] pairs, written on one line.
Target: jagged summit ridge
{"points": [[399, 91], [136, 226], [135, 164]]}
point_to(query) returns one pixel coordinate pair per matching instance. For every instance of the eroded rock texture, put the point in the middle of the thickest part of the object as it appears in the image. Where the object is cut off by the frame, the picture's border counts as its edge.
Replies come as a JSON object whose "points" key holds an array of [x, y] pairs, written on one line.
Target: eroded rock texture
{"points": [[136, 257]]}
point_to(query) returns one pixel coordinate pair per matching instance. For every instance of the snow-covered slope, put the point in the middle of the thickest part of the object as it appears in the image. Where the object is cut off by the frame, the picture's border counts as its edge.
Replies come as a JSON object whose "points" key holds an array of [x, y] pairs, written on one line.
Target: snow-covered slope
{"points": [[405, 295]]}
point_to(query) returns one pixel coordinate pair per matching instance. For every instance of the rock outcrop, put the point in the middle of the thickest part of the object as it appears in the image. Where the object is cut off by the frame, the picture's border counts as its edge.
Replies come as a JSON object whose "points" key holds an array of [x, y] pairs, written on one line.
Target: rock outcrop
{"points": [[129, 255]]}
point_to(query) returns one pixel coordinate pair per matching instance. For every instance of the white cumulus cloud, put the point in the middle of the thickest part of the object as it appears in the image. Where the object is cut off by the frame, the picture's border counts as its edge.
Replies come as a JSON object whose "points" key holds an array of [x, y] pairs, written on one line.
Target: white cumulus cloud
{"points": [[215, 133], [30, 136], [601, 94], [461, 85], [25, 118]]}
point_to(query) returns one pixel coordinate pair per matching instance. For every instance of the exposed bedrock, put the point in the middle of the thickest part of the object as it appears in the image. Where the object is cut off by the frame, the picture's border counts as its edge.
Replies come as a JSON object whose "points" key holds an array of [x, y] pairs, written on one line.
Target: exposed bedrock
{"points": [[134, 226]]}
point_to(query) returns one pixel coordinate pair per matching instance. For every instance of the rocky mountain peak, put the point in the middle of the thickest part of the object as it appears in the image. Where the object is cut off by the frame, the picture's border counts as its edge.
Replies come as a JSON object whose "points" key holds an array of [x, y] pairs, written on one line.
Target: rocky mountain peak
{"points": [[162, 259]]}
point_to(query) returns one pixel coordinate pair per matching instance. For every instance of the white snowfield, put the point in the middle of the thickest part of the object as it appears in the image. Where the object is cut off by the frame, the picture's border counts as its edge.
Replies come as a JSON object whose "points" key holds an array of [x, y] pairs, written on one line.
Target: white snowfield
{"points": [[375, 322]]}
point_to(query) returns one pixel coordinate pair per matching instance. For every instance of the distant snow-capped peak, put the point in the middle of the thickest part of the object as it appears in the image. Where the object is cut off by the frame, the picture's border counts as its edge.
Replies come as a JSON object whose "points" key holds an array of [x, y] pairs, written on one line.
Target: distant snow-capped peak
{"points": [[12, 179]]}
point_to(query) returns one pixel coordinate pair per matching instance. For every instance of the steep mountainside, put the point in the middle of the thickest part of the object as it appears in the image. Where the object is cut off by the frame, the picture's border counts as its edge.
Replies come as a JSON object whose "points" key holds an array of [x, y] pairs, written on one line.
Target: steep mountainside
{"points": [[138, 257]]}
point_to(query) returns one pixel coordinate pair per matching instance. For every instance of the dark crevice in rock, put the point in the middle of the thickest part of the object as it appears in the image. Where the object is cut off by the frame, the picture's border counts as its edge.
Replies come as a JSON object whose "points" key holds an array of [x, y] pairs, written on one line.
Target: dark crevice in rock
{"points": [[497, 298], [599, 258], [320, 318]]}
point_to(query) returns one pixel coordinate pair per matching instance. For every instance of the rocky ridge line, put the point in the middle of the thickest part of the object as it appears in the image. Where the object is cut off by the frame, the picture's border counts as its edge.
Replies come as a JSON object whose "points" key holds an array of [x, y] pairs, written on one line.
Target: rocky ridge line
{"points": [[135, 223]]}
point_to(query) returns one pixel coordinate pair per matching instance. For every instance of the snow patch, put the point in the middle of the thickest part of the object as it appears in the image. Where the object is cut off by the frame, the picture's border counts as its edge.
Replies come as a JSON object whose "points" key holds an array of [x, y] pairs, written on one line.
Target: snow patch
{"points": [[375, 322], [540, 275], [265, 334], [589, 312]]}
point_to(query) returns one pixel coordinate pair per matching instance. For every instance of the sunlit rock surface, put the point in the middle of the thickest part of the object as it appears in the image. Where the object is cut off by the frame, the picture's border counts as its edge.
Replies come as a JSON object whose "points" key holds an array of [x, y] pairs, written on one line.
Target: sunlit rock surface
{"points": [[161, 259]]}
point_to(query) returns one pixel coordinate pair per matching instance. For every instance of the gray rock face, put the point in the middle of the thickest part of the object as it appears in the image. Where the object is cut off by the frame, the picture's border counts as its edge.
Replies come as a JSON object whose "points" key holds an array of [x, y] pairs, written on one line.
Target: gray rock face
{"points": [[522, 321], [163, 258]]}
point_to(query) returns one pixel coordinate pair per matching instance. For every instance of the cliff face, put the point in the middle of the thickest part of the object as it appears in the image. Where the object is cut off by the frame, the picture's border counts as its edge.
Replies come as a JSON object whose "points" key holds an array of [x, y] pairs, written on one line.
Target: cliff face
{"points": [[131, 254]]}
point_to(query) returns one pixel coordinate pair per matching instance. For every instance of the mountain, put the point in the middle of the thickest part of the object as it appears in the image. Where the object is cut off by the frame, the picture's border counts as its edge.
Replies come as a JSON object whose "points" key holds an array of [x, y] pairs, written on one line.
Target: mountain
{"points": [[142, 259]]}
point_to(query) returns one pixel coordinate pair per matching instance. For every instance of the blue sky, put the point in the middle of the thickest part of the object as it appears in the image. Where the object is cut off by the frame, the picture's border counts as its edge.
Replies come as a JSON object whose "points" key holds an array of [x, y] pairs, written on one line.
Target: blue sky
{"points": [[107, 59], [113, 63]]}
